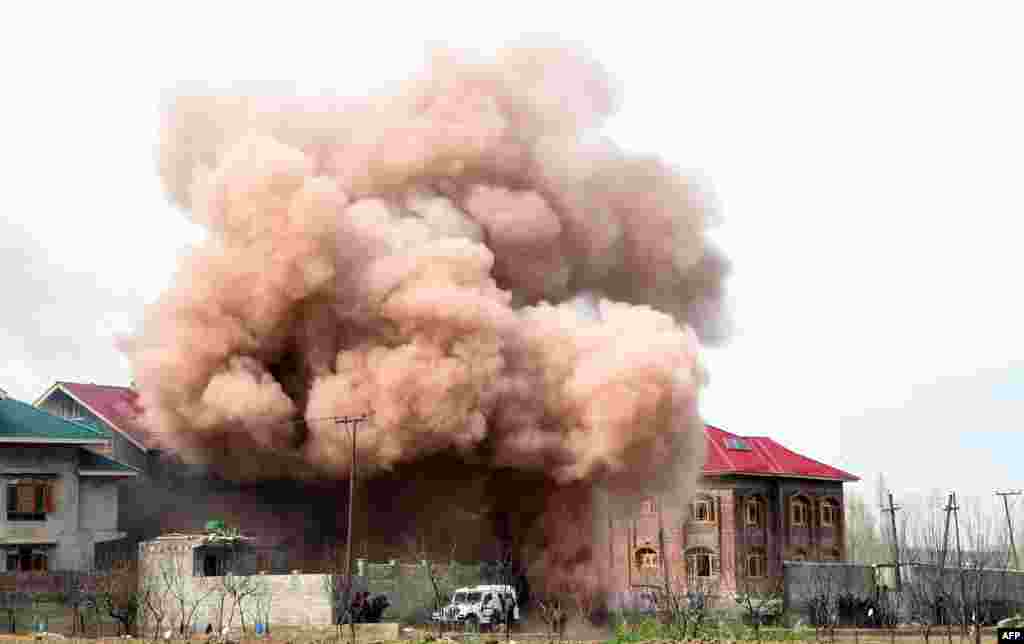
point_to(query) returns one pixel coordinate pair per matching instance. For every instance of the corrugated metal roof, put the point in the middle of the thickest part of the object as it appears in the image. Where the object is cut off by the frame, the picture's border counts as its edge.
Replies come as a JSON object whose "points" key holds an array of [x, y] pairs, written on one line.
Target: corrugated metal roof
{"points": [[117, 405], [765, 457], [91, 461], [21, 422]]}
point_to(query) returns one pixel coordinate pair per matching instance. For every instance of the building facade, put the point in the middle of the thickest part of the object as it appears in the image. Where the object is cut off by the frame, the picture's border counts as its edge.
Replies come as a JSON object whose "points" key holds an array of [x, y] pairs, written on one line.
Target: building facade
{"points": [[59, 498], [757, 504]]}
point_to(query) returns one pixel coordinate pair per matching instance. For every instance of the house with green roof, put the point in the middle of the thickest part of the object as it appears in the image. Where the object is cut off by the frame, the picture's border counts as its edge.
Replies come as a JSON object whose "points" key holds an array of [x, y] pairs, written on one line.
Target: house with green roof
{"points": [[58, 495]]}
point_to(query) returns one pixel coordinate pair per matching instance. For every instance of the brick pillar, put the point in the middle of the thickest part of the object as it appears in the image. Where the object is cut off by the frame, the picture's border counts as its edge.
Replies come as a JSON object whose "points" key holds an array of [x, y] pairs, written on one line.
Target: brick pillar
{"points": [[727, 544]]}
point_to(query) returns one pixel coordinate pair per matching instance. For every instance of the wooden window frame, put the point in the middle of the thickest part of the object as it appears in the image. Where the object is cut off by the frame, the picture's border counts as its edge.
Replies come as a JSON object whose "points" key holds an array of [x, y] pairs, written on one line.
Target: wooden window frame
{"points": [[756, 505], [45, 503], [762, 565], [646, 558], [829, 513], [694, 559], [711, 513], [800, 506]]}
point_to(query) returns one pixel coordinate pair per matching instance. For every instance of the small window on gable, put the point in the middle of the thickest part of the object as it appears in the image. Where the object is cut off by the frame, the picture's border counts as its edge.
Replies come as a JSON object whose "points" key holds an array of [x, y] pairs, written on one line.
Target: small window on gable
{"points": [[736, 443]]}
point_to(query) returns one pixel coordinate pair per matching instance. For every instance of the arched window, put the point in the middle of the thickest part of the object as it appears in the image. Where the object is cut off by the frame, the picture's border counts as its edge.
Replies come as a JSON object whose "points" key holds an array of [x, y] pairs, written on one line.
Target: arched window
{"points": [[756, 564], [754, 511], [800, 511], [830, 512], [701, 563], [704, 509], [646, 558]]}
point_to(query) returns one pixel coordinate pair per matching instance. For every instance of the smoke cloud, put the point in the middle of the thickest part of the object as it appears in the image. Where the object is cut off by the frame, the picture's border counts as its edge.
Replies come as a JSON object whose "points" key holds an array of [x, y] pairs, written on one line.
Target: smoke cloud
{"points": [[420, 255]]}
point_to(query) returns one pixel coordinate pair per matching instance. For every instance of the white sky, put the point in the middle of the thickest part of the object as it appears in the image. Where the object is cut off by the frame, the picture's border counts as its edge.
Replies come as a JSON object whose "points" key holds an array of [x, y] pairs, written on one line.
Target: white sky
{"points": [[866, 159]]}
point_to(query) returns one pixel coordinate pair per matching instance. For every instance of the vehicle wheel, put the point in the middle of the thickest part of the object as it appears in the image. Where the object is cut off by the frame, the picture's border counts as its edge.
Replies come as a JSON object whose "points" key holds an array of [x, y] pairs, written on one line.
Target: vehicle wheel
{"points": [[472, 624]]}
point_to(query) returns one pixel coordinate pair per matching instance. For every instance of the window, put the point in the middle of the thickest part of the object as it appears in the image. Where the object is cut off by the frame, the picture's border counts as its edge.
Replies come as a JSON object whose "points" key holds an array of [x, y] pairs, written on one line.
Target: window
{"points": [[647, 506], [704, 510], [647, 559], [755, 512], [701, 563], [801, 511], [27, 559], [211, 566], [798, 555], [756, 565], [736, 443], [831, 554], [829, 512], [29, 501]]}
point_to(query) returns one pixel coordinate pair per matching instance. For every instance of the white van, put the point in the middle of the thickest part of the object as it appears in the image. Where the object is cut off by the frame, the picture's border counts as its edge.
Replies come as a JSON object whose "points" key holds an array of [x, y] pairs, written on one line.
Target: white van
{"points": [[467, 606]]}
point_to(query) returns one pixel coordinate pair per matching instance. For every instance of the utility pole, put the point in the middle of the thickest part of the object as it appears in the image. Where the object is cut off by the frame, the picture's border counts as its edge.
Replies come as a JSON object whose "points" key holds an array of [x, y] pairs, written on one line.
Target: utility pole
{"points": [[352, 421], [959, 563], [945, 535], [895, 540], [1009, 526]]}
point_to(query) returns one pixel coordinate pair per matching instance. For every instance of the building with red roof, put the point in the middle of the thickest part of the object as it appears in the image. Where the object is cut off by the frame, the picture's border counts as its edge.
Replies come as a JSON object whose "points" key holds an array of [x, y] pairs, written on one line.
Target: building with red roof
{"points": [[758, 504], [114, 411]]}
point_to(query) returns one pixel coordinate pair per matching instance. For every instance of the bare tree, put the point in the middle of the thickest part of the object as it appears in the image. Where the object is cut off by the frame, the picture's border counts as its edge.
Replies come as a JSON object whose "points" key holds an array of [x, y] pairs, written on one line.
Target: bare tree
{"points": [[154, 593], [863, 541], [759, 596], [117, 593], [263, 599], [553, 613], [985, 545], [186, 596], [442, 582], [239, 588], [822, 601]]}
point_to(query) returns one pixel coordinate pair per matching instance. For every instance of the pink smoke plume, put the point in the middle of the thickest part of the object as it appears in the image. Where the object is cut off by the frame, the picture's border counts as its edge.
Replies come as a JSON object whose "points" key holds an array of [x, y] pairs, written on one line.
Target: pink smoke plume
{"points": [[419, 255]]}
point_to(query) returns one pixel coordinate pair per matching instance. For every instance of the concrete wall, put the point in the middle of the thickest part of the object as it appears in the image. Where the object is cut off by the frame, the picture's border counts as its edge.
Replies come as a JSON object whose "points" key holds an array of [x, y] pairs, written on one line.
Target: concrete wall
{"points": [[295, 599], [98, 504], [84, 512]]}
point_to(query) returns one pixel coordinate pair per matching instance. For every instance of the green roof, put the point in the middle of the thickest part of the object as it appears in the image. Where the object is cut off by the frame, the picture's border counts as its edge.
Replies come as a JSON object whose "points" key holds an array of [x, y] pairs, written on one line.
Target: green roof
{"points": [[92, 461], [96, 425], [21, 422]]}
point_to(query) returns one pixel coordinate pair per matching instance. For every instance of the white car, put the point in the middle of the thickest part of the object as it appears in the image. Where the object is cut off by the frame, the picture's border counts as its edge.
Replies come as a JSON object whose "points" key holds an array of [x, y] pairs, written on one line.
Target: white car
{"points": [[467, 606]]}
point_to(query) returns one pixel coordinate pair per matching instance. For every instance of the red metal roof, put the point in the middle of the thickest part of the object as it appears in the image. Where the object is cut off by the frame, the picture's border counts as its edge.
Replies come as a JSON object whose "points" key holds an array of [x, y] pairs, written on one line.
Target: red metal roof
{"points": [[119, 406], [765, 458]]}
